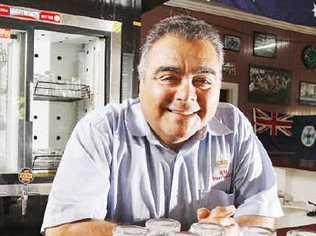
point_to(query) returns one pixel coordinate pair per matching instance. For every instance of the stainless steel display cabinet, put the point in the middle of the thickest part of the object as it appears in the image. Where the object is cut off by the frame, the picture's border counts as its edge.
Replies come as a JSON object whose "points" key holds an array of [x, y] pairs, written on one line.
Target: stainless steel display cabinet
{"points": [[54, 68]]}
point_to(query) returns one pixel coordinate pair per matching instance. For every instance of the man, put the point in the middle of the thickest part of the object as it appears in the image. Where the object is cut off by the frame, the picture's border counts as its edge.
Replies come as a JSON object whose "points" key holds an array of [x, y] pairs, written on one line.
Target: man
{"points": [[174, 152]]}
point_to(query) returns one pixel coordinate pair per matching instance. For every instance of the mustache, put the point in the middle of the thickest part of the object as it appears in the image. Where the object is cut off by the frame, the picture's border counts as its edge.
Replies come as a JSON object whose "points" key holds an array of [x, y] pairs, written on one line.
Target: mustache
{"points": [[184, 107]]}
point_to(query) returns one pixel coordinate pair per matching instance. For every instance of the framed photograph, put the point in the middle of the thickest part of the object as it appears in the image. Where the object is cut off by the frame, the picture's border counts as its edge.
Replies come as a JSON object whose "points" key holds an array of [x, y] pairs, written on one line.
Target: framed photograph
{"points": [[232, 43], [307, 93], [269, 85], [229, 68], [264, 45]]}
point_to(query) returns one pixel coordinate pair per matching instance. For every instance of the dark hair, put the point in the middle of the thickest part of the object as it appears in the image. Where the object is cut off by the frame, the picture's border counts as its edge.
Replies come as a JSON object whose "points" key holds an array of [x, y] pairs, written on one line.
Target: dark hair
{"points": [[185, 26]]}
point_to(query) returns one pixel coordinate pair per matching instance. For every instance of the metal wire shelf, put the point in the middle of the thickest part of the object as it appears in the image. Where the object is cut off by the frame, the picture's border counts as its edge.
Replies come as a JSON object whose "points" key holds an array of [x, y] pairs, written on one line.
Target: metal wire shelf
{"points": [[46, 161], [60, 91]]}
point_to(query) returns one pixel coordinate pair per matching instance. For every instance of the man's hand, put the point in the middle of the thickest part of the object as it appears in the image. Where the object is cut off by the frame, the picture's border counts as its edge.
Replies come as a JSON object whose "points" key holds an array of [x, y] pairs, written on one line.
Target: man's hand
{"points": [[218, 215], [221, 216]]}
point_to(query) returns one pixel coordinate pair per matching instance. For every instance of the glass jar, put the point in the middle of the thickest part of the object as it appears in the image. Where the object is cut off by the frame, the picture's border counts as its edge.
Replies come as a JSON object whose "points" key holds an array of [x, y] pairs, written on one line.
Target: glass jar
{"points": [[129, 230], [184, 234], [162, 226], [255, 231], [207, 229]]}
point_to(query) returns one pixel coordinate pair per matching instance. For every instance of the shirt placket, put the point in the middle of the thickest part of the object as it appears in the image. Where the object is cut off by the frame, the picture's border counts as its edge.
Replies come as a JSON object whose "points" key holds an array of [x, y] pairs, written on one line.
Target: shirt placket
{"points": [[173, 201]]}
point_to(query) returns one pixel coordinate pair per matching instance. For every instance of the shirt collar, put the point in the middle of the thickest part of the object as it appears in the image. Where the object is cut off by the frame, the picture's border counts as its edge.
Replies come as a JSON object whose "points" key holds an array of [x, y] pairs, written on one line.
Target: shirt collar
{"points": [[216, 127], [135, 120], [138, 126]]}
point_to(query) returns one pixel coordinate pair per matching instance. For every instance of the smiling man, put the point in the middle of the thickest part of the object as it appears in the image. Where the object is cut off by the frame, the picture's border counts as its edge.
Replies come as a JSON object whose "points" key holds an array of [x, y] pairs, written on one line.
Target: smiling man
{"points": [[173, 152], [180, 89]]}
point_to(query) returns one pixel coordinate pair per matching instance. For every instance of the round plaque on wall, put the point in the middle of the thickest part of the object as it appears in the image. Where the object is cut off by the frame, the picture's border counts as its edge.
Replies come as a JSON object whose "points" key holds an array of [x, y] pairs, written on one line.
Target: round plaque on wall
{"points": [[309, 57]]}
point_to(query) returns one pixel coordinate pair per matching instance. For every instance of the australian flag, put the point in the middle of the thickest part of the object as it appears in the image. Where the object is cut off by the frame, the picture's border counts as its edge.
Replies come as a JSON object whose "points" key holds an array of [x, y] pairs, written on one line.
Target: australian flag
{"points": [[284, 134], [293, 11]]}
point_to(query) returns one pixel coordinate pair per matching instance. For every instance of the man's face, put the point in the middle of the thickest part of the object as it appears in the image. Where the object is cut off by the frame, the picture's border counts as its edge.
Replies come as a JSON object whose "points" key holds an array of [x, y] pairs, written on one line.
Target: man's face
{"points": [[180, 91]]}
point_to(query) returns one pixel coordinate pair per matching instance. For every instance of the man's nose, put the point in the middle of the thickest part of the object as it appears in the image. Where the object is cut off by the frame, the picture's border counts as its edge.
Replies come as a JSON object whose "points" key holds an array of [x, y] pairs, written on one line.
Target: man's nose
{"points": [[186, 90]]}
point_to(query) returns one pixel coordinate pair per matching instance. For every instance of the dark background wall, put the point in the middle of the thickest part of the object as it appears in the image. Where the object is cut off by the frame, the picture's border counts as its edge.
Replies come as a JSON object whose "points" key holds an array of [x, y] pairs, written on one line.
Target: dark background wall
{"points": [[288, 56]]}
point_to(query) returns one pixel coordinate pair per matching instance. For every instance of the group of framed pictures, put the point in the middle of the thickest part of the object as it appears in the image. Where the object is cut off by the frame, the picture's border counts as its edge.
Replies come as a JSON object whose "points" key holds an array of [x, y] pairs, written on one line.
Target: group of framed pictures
{"points": [[268, 84], [264, 44]]}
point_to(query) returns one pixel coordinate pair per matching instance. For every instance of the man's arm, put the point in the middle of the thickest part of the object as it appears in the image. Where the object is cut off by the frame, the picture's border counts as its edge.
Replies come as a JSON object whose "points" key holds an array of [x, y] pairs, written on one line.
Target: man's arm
{"points": [[82, 228], [82, 182], [254, 220]]}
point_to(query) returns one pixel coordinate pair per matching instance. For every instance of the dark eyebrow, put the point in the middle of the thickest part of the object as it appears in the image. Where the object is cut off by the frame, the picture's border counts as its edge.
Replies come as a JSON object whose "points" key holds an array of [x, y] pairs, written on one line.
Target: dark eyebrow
{"points": [[205, 70], [167, 69]]}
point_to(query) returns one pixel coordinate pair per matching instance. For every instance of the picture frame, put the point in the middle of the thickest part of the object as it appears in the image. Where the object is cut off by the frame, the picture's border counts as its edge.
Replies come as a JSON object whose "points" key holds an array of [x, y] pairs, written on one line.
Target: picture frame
{"points": [[232, 42], [269, 85], [307, 95], [264, 45], [229, 69]]}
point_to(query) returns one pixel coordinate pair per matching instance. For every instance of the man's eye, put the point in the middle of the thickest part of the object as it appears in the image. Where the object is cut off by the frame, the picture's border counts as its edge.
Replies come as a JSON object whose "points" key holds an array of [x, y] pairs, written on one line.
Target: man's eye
{"points": [[203, 82], [168, 79]]}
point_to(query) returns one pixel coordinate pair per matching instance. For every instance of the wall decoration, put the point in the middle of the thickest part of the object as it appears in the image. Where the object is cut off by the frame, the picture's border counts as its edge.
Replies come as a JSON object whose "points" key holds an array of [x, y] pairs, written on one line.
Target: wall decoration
{"points": [[232, 43], [284, 134], [229, 68], [309, 57], [264, 45], [307, 93], [269, 85]]}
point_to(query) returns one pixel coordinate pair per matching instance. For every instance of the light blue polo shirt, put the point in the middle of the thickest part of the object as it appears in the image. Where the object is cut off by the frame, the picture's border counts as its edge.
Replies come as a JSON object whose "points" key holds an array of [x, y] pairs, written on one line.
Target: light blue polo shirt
{"points": [[115, 168]]}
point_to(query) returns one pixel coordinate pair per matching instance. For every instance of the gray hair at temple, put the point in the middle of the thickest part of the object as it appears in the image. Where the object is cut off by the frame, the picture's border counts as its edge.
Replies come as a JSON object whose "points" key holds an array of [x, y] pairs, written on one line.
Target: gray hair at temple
{"points": [[185, 26]]}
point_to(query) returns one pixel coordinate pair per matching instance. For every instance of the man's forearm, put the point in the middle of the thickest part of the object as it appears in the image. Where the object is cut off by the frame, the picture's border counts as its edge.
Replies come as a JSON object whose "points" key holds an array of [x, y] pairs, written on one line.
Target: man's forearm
{"points": [[82, 228], [254, 220]]}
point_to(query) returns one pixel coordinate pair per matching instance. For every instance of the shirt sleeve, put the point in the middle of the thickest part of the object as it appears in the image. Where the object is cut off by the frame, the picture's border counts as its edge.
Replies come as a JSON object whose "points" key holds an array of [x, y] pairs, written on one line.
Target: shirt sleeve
{"points": [[255, 184], [81, 184]]}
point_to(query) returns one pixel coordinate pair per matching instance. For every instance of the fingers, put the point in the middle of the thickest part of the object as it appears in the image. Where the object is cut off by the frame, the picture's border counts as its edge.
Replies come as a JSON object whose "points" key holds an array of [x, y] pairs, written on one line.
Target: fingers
{"points": [[218, 215], [226, 211], [203, 213], [218, 220]]}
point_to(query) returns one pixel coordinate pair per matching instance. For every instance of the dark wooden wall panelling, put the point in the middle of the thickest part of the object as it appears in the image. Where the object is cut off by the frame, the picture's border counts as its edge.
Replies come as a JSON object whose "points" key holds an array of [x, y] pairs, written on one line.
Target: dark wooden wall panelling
{"points": [[289, 57]]}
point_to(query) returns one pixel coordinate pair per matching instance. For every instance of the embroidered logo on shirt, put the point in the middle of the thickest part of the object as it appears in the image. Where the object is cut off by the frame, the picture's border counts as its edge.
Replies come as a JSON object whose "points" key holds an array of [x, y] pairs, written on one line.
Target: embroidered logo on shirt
{"points": [[221, 171], [222, 164]]}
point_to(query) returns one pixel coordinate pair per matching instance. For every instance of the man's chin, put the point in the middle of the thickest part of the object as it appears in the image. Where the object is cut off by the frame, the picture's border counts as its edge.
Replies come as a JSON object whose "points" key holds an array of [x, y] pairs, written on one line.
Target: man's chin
{"points": [[178, 137]]}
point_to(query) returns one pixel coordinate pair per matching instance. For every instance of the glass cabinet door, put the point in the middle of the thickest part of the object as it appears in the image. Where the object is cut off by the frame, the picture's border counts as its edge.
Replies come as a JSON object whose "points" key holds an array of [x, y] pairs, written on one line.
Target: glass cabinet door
{"points": [[12, 99], [68, 81]]}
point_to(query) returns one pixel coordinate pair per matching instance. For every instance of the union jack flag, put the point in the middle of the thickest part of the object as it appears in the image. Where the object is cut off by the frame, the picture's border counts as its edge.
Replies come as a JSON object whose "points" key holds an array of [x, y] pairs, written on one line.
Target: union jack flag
{"points": [[274, 123]]}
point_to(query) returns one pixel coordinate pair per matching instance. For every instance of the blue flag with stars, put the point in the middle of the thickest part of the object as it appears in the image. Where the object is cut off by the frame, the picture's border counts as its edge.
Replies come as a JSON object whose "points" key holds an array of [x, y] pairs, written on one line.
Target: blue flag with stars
{"points": [[286, 135], [293, 11]]}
